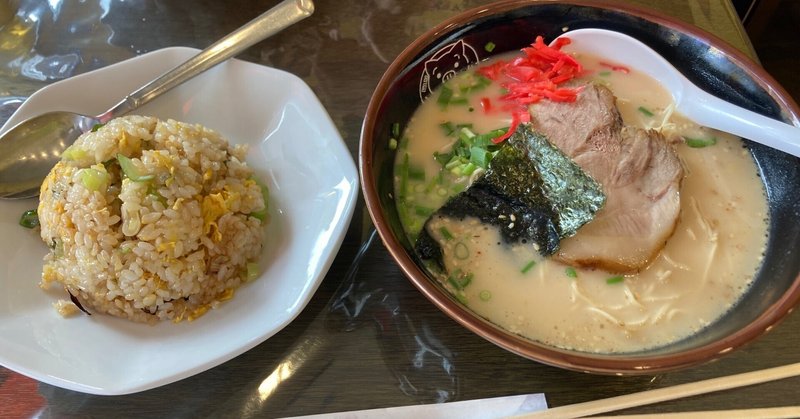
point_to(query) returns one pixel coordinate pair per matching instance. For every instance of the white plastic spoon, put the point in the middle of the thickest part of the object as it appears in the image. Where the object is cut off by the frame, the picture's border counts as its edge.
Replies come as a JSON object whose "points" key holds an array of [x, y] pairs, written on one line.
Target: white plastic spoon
{"points": [[690, 100]]}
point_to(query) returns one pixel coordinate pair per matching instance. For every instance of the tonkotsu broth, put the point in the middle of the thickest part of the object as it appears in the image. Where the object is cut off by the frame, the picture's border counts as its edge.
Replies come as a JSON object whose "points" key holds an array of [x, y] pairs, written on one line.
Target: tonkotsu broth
{"points": [[705, 268]]}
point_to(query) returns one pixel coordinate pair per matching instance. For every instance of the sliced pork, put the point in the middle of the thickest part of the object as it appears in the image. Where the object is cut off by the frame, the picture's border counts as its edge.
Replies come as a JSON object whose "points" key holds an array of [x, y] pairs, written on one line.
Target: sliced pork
{"points": [[640, 174]]}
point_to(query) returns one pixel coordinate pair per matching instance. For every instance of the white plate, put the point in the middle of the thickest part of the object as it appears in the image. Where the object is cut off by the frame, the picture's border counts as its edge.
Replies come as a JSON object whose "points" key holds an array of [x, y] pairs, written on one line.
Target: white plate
{"points": [[313, 184]]}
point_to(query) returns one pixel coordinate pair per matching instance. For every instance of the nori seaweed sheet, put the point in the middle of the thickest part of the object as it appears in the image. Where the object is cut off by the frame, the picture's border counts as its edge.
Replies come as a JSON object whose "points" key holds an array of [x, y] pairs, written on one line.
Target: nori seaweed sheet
{"points": [[575, 197], [549, 195]]}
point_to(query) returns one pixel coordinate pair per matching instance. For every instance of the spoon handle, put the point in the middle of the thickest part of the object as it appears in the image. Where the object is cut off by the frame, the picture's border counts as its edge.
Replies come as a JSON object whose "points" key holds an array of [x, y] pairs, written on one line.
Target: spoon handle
{"points": [[274, 20], [708, 110]]}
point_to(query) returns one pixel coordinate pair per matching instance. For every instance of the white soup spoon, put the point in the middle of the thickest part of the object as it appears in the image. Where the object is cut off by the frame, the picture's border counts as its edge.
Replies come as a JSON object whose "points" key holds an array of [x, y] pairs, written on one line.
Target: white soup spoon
{"points": [[691, 101]]}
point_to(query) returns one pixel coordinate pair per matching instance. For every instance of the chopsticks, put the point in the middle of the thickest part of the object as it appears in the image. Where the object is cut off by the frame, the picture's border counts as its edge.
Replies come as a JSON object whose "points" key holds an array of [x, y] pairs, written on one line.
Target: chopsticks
{"points": [[671, 393], [764, 413]]}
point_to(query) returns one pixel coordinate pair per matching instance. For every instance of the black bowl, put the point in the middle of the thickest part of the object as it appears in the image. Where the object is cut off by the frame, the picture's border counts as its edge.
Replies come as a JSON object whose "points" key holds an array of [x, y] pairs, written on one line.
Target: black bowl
{"points": [[703, 58]]}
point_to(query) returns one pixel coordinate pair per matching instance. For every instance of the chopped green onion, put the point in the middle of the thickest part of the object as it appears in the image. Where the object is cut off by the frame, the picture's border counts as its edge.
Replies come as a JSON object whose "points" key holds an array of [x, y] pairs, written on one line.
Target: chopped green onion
{"points": [[615, 279], [448, 128], [442, 158], [458, 169], [396, 130], [454, 162], [446, 233], [403, 192], [604, 73], [468, 169], [58, 248], [461, 149], [416, 173], [570, 271], [461, 251], [466, 280], [96, 127], [456, 272], [93, 179], [74, 152], [528, 266], [452, 281], [485, 295], [152, 190], [645, 111], [260, 215], [130, 170], [405, 218], [392, 144], [466, 135], [700, 142], [459, 281], [485, 140], [479, 84], [445, 95], [489, 47], [264, 191], [479, 157], [29, 219], [252, 271], [423, 211], [461, 298]]}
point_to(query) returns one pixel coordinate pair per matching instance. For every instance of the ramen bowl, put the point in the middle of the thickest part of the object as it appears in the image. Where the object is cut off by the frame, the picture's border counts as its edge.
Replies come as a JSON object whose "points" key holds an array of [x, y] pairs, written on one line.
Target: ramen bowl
{"points": [[703, 58]]}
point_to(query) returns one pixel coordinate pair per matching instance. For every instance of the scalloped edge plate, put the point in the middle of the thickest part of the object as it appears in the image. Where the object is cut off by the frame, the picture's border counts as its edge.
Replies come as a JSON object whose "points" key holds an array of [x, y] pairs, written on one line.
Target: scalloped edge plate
{"points": [[312, 199]]}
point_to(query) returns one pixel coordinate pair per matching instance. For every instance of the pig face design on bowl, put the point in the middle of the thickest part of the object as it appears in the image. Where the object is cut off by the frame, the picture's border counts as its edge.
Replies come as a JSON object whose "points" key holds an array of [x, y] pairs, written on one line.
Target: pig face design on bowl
{"points": [[444, 65]]}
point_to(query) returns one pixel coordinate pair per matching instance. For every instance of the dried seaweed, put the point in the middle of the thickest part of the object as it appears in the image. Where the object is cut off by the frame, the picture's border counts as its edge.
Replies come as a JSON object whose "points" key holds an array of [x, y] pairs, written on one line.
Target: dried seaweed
{"points": [[531, 182], [575, 197]]}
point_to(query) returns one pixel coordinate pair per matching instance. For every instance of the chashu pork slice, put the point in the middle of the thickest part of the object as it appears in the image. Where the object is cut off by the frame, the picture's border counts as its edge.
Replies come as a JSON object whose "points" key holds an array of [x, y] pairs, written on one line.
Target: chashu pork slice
{"points": [[640, 173]]}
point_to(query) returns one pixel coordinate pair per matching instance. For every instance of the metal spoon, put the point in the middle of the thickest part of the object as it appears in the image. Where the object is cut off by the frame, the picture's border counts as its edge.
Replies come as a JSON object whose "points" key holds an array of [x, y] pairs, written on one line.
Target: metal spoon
{"points": [[47, 135], [689, 99]]}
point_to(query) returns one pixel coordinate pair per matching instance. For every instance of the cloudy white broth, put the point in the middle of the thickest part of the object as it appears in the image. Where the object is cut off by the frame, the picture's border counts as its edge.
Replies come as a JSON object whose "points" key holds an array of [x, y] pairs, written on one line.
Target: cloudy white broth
{"points": [[704, 268]]}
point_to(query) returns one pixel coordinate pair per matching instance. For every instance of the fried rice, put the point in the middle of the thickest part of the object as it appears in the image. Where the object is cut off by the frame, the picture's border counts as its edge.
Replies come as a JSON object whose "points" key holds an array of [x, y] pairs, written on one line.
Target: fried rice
{"points": [[151, 220]]}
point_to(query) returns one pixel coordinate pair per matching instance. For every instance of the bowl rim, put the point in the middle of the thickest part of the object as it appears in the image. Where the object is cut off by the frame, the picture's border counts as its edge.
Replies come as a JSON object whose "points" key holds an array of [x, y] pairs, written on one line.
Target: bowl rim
{"points": [[624, 364]]}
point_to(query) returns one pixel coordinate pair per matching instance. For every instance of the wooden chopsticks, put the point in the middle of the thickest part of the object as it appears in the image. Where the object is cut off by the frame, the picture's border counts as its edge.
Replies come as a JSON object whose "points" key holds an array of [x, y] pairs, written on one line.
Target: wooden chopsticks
{"points": [[676, 392], [764, 413]]}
